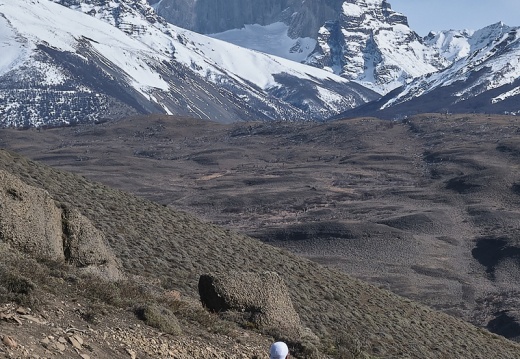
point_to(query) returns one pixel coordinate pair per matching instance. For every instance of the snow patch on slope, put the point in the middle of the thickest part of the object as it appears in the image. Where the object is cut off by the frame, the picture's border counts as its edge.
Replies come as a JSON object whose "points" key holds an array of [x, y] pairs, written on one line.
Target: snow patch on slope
{"points": [[271, 39], [13, 52], [46, 24], [506, 95]]}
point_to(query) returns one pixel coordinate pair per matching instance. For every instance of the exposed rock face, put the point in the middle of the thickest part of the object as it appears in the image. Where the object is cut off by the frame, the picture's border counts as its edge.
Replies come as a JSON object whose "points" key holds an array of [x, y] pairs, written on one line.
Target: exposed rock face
{"points": [[210, 16], [362, 40], [265, 296], [86, 247], [84, 244], [367, 41], [31, 221]]}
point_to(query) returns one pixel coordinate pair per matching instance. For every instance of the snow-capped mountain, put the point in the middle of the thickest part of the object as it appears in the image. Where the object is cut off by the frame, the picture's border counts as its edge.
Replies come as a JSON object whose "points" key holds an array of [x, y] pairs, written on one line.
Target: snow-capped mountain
{"points": [[69, 61], [361, 40], [374, 45], [453, 45], [485, 77], [492, 63]]}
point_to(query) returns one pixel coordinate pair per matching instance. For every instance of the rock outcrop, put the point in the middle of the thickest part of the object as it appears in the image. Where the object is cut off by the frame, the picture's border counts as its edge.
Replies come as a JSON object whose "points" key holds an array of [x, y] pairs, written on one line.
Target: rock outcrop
{"points": [[263, 296], [29, 219], [210, 16], [32, 222]]}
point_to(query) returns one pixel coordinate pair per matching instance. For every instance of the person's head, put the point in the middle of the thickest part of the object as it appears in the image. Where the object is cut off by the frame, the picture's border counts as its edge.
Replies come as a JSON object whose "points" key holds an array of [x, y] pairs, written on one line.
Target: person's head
{"points": [[279, 350]]}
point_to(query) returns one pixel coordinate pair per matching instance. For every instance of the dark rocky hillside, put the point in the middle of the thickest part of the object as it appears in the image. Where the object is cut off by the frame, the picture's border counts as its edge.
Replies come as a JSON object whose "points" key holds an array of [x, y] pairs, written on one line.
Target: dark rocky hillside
{"points": [[426, 208]]}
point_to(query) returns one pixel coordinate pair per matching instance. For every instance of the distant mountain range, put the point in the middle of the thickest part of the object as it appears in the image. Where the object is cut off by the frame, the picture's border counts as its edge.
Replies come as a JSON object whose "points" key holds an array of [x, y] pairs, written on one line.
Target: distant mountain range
{"points": [[78, 61], [360, 40], [484, 77], [73, 61]]}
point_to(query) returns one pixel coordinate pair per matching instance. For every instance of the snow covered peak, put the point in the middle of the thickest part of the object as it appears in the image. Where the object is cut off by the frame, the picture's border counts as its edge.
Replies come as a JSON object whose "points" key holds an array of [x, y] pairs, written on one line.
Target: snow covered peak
{"points": [[452, 44], [373, 44], [486, 71], [488, 36], [69, 61], [376, 9]]}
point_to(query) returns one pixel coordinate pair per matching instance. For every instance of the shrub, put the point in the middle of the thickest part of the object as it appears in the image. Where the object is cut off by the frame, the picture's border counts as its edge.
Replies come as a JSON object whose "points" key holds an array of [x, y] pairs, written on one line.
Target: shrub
{"points": [[16, 288], [159, 318]]}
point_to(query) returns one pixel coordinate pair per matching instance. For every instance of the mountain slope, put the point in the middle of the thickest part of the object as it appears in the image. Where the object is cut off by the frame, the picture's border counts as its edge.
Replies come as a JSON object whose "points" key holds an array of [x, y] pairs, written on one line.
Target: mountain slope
{"points": [[413, 206], [360, 40], [158, 243], [66, 66], [484, 78]]}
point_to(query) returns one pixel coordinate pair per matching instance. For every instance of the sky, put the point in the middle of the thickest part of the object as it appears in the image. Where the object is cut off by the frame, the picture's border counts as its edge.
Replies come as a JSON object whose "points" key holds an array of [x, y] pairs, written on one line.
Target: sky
{"points": [[426, 15]]}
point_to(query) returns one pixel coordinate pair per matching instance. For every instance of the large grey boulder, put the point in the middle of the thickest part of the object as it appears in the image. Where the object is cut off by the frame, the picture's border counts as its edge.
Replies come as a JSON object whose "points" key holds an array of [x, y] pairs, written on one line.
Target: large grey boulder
{"points": [[86, 247], [29, 219], [264, 296], [32, 222]]}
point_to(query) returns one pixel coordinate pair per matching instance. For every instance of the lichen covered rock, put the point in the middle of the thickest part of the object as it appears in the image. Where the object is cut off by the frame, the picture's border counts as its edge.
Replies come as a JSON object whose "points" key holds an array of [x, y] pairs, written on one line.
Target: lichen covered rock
{"points": [[264, 296]]}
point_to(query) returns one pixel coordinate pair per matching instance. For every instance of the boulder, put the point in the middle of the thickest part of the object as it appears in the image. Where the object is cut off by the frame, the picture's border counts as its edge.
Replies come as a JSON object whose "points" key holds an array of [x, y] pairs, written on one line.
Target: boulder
{"points": [[86, 247], [264, 296], [29, 219]]}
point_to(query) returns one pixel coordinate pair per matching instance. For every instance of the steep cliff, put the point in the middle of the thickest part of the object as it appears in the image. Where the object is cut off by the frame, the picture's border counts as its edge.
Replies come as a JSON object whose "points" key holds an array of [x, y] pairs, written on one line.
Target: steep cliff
{"points": [[371, 43], [305, 18], [362, 40]]}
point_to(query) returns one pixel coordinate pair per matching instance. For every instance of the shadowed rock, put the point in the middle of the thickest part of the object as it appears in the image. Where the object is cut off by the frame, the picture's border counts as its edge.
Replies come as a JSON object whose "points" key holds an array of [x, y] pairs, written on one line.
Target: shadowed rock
{"points": [[264, 296]]}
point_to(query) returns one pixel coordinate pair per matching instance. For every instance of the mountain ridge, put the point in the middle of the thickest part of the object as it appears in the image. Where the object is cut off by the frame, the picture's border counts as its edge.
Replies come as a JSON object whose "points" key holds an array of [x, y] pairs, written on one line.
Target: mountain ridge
{"points": [[368, 42], [133, 62], [486, 79], [364, 41], [120, 58]]}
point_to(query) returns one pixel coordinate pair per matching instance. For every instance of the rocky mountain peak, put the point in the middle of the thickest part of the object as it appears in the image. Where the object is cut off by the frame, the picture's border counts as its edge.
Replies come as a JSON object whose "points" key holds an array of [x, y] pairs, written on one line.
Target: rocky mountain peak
{"points": [[361, 40], [371, 43]]}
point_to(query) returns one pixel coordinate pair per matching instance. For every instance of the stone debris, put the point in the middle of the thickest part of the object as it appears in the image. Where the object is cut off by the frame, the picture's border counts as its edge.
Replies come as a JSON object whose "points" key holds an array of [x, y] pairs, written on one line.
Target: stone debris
{"points": [[33, 319], [45, 342], [9, 342], [73, 340], [78, 339], [9, 314], [22, 310], [10, 318], [75, 343], [60, 346], [132, 353]]}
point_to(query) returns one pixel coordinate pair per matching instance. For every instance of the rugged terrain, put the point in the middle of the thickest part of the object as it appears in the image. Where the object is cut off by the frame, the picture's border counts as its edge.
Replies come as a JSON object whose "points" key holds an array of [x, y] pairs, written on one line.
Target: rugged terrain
{"points": [[366, 41], [427, 214], [83, 61], [426, 207], [360, 40]]}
